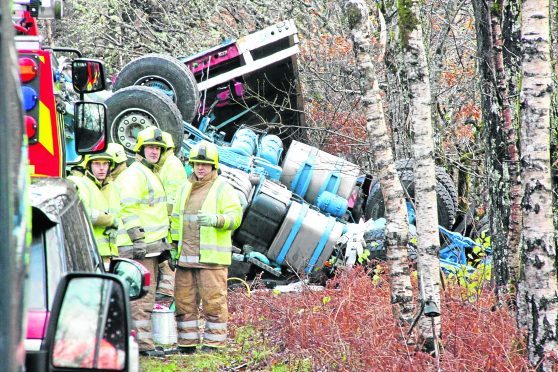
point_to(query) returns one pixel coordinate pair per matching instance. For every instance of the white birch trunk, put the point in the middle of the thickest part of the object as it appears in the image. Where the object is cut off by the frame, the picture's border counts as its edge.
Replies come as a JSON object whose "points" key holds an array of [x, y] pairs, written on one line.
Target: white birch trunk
{"points": [[428, 242], [396, 232], [538, 287]]}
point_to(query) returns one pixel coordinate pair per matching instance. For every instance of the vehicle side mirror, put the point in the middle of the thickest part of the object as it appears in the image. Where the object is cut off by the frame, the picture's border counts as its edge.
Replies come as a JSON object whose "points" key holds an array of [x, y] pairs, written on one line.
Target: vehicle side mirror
{"points": [[134, 275], [88, 75], [90, 127], [89, 326]]}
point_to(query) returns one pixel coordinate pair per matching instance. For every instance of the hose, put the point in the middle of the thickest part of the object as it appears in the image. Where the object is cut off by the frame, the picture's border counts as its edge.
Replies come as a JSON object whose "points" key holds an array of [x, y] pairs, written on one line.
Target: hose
{"points": [[243, 282]]}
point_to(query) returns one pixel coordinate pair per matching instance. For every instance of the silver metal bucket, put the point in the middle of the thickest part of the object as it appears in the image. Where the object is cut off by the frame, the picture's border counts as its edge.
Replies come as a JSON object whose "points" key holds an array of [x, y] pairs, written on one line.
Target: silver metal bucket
{"points": [[164, 327]]}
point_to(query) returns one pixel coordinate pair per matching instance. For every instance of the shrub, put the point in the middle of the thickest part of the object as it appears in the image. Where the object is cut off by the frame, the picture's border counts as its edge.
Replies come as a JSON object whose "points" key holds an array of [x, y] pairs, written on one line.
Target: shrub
{"points": [[349, 326]]}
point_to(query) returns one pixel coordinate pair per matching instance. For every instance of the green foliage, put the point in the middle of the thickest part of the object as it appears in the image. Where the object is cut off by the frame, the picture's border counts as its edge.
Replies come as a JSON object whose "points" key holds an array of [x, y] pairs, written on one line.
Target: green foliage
{"points": [[473, 277], [364, 257], [248, 349], [407, 20], [495, 9], [304, 365], [376, 274], [484, 241]]}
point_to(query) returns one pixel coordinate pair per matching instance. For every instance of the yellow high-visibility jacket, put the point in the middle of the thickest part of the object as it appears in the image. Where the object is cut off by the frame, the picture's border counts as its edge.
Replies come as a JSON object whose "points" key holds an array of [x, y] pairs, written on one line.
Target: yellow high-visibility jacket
{"points": [[97, 202], [172, 174], [215, 243], [143, 203]]}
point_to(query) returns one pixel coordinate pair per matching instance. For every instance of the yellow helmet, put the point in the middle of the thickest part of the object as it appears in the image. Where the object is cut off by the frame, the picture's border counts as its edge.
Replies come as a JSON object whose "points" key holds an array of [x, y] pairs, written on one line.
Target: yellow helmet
{"points": [[100, 156], [168, 140], [204, 152], [150, 136], [117, 152]]}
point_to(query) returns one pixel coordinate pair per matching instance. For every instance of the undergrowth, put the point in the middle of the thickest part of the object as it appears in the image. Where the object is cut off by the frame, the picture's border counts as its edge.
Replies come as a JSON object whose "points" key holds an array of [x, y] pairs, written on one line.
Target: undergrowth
{"points": [[349, 327]]}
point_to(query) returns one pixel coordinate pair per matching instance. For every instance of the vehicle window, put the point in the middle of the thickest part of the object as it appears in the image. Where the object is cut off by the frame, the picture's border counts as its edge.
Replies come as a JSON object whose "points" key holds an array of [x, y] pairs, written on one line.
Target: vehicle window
{"points": [[56, 260], [81, 250], [36, 284], [90, 331]]}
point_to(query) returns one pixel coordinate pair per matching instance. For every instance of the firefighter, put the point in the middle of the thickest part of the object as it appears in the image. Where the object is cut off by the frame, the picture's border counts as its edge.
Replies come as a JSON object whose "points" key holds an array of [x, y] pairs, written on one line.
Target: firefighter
{"points": [[79, 168], [144, 215], [118, 154], [101, 202], [205, 213], [172, 175]]}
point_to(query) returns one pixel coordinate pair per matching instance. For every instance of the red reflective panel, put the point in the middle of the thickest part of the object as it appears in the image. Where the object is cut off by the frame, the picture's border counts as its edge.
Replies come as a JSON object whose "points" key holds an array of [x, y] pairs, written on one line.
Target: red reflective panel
{"points": [[27, 69], [30, 126]]}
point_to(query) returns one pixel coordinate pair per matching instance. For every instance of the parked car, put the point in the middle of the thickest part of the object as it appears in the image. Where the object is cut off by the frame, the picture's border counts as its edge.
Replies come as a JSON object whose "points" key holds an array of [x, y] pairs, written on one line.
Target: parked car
{"points": [[62, 243]]}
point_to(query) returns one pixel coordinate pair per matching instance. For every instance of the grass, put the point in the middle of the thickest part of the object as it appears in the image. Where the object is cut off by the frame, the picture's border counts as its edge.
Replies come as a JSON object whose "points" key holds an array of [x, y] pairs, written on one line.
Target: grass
{"points": [[248, 350]]}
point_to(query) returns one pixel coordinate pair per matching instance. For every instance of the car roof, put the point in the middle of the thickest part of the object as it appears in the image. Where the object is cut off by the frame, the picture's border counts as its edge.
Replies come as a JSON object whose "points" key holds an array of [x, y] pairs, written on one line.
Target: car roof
{"points": [[52, 196]]}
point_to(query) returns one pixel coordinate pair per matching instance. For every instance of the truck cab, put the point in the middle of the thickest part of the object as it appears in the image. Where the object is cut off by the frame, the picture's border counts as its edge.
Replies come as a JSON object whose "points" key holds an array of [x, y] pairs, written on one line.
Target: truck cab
{"points": [[43, 106], [50, 264]]}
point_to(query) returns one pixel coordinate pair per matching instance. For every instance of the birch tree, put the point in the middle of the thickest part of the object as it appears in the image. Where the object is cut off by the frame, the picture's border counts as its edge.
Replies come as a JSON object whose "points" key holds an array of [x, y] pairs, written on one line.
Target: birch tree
{"points": [[396, 232], [428, 241], [502, 156], [505, 13], [538, 285]]}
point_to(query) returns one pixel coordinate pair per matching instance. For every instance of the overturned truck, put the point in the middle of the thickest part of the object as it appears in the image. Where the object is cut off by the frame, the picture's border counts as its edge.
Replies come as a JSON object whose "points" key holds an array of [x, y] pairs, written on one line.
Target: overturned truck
{"points": [[244, 95]]}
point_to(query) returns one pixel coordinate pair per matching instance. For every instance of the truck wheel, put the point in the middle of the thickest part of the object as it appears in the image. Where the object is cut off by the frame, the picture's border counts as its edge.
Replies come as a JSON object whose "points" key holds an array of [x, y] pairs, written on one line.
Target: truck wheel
{"points": [[134, 108], [482, 226], [441, 177], [166, 74], [375, 203], [445, 180]]}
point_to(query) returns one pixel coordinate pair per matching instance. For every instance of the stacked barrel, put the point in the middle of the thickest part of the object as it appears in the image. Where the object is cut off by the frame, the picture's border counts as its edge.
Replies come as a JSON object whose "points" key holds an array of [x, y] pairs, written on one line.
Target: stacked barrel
{"points": [[293, 212]]}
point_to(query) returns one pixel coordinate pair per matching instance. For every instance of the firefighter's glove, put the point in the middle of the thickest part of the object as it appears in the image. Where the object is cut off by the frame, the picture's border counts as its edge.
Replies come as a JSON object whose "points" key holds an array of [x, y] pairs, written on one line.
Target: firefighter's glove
{"points": [[112, 233], [208, 219], [173, 259], [139, 249], [173, 262]]}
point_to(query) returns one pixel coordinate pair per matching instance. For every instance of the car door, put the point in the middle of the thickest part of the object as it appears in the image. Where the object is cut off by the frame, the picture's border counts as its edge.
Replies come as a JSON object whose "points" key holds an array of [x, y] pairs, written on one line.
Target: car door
{"points": [[80, 249]]}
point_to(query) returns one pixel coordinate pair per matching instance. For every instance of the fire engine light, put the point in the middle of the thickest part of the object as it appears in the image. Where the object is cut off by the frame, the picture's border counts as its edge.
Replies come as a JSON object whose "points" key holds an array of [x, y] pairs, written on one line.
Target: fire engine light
{"points": [[27, 69], [30, 98], [30, 126]]}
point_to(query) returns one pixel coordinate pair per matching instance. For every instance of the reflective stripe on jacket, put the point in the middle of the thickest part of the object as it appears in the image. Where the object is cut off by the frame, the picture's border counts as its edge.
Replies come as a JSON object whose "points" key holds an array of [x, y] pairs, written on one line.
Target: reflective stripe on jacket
{"points": [[122, 238], [97, 203], [215, 243], [143, 202]]}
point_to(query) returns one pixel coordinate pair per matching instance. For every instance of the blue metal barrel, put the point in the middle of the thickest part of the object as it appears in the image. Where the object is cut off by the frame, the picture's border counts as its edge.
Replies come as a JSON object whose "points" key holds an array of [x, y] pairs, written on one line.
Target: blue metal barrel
{"points": [[332, 204], [271, 148], [244, 142]]}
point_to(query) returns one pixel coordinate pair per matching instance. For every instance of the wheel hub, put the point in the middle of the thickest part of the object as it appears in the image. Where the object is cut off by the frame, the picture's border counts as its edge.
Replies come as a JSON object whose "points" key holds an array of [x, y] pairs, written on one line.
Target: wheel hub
{"points": [[160, 84], [128, 124]]}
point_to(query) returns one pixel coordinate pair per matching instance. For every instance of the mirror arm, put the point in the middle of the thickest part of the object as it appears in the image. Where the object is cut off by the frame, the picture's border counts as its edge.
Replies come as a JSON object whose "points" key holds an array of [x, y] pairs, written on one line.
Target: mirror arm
{"points": [[64, 49]]}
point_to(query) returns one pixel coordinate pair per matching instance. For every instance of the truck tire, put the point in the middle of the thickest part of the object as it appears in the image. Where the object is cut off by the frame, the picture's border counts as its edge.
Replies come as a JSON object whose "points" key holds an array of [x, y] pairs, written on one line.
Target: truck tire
{"points": [[168, 75], [445, 180], [134, 108], [482, 226], [442, 177], [375, 203]]}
